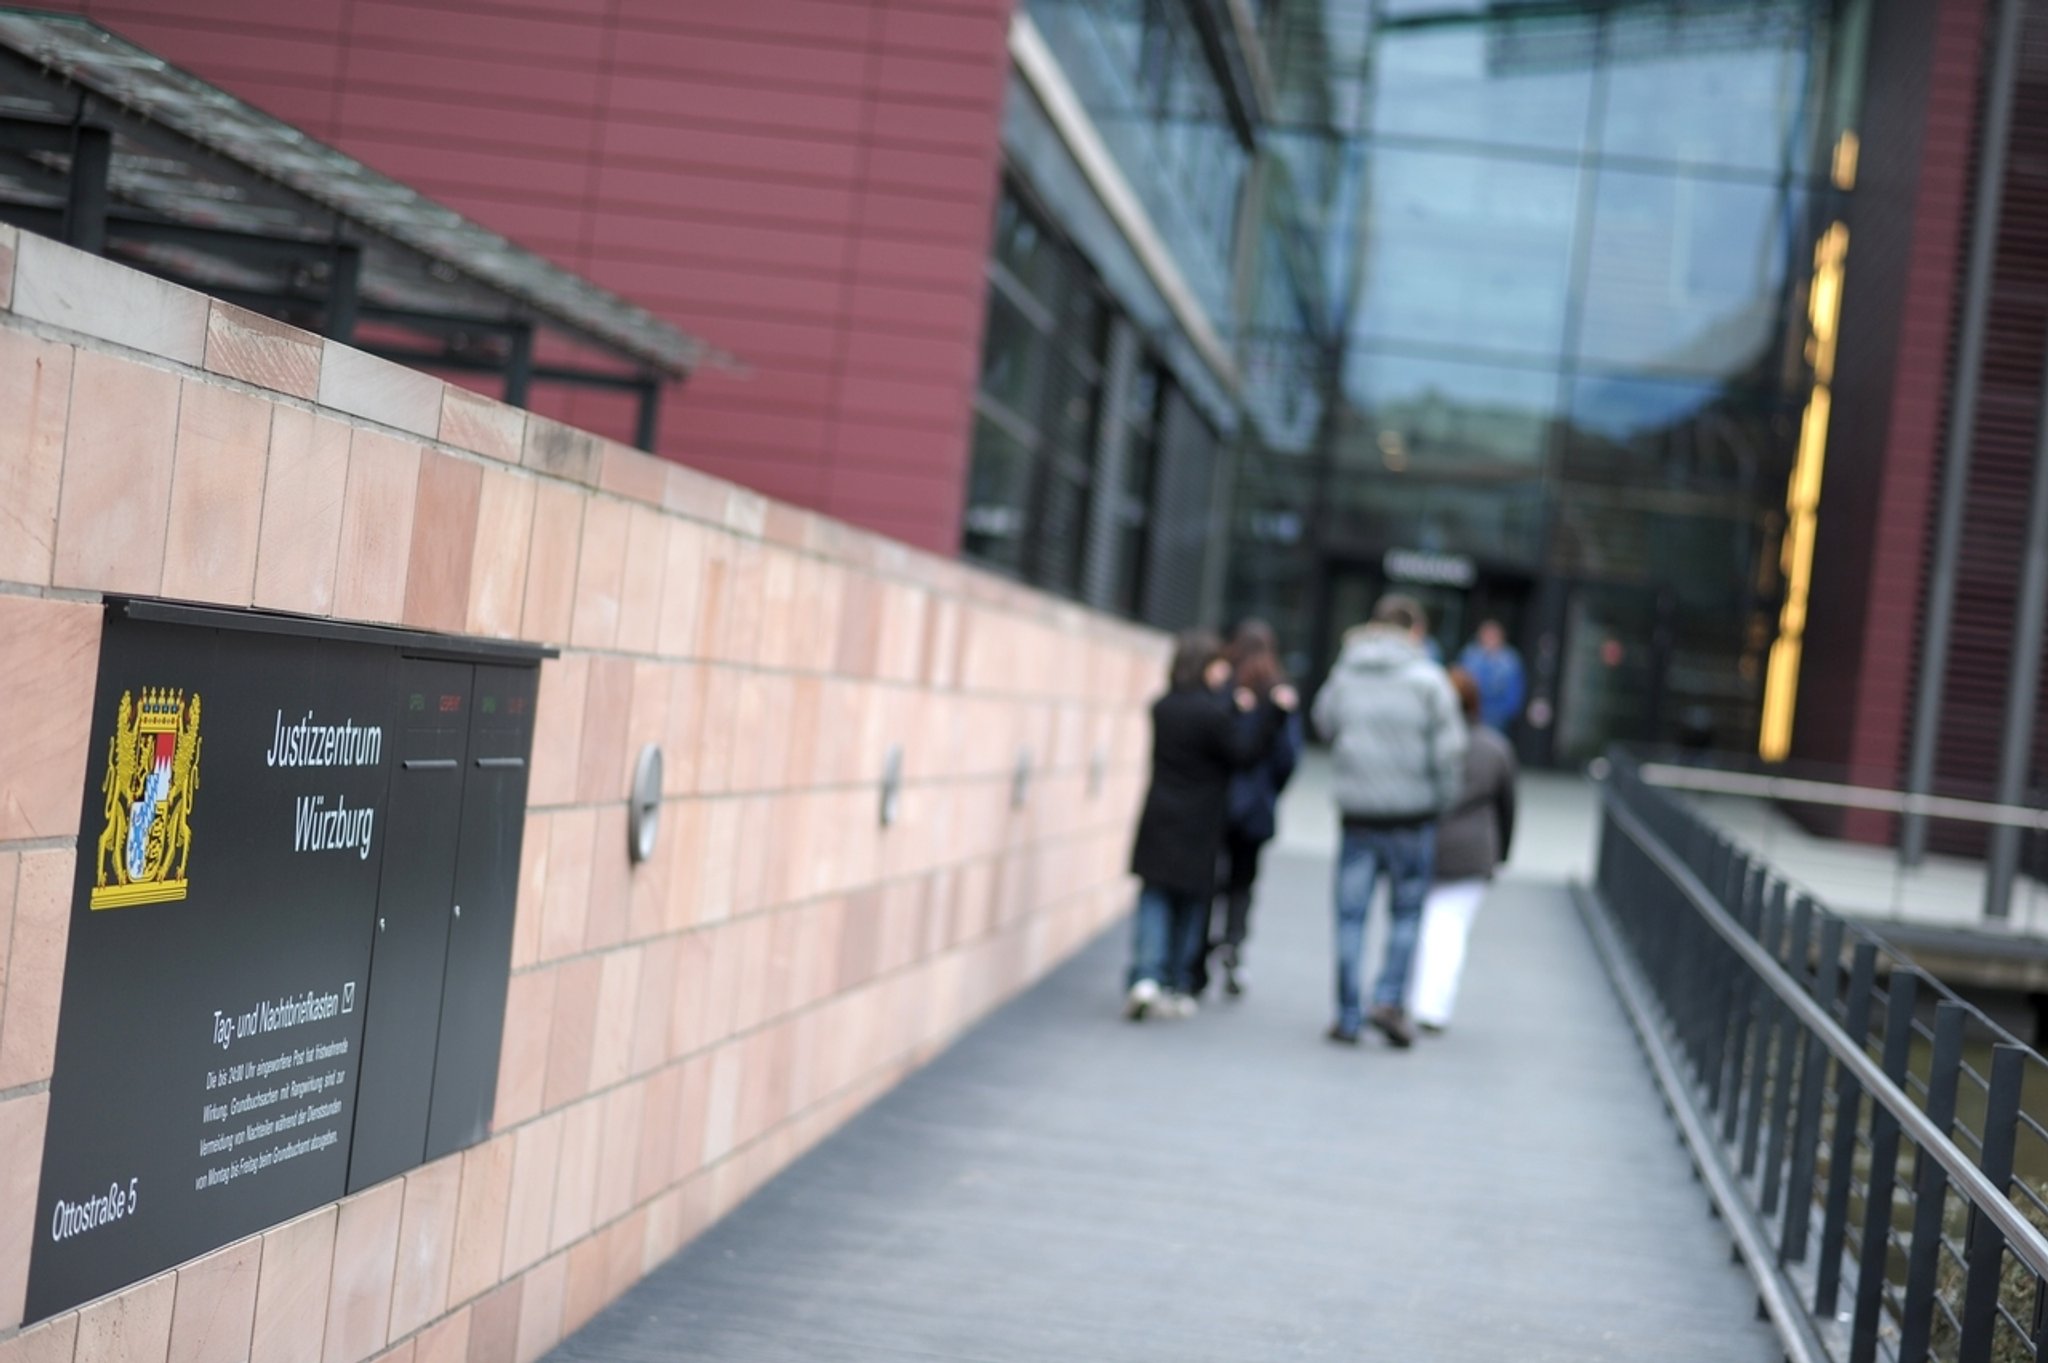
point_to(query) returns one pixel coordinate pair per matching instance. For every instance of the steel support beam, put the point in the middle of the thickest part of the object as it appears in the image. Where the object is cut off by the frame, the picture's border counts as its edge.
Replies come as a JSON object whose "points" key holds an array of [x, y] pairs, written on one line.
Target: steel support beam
{"points": [[1962, 423], [249, 248], [85, 205], [441, 324], [2023, 677], [568, 375], [519, 368], [220, 241], [645, 424], [21, 134], [344, 290]]}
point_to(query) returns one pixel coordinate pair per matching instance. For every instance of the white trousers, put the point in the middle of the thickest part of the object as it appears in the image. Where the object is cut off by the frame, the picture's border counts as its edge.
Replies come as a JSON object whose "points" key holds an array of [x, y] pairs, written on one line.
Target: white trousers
{"points": [[1440, 955]]}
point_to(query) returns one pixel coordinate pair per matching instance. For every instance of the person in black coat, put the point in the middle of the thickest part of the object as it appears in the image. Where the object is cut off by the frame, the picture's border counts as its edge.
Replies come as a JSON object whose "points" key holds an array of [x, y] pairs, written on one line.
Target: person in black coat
{"points": [[1198, 743]]}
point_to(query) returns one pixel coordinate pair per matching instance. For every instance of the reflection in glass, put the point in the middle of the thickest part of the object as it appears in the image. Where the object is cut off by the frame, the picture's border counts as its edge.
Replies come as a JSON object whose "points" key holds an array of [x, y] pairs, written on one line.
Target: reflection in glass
{"points": [[1144, 74], [1677, 432], [998, 497], [1013, 355], [1466, 250], [1062, 531], [1429, 416], [1562, 247], [1495, 521], [1722, 85], [1503, 80], [1606, 677], [1686, 274], [1703, 544], [1131, 502], [1021, 246], [1034, 436]]}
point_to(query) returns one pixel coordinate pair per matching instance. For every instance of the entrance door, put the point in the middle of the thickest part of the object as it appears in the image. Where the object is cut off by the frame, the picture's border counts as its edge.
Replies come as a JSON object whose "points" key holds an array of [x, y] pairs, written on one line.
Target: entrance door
{"points": [[1352, 588]]}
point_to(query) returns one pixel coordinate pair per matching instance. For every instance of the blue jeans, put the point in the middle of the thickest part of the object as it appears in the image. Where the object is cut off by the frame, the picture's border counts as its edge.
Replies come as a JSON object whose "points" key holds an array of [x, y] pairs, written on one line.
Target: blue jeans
{"points": [[1406, 856], [1171, 934]]}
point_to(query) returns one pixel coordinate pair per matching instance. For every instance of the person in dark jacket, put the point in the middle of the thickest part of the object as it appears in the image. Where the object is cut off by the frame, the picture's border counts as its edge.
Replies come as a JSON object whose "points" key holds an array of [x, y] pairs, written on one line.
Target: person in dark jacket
{"points": [[1198, 743], [1251, 815], [1472, 839]]}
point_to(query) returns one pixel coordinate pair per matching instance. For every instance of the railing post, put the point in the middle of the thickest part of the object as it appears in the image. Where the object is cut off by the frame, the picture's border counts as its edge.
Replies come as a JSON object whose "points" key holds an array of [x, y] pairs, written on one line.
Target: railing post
{"points": [[1930, 1180], [1744, 995], [1834, 1226], [1872, 1261], [1692, 971], [85, 206], [1768, 1011], [1986, 1242], [1789, 1050], [1725, 983], [1813, 1076]]}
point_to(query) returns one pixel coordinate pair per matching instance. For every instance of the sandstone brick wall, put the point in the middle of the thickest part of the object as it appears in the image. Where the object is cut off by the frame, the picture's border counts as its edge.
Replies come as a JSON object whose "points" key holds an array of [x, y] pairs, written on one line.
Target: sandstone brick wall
{"points": [[676, 1032]]}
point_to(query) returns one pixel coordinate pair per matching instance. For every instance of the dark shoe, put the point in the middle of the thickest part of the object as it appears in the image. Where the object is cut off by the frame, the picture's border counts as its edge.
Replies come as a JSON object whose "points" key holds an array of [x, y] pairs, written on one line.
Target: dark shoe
{"points": [[1232, 985], [1393, 1025], [1340, 1036]]}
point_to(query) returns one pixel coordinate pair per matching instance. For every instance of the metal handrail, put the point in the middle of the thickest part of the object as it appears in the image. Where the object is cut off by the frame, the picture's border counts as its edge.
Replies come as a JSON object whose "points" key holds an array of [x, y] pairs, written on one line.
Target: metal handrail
{"points": [[1767, 1019], [1795, 790], [2020, 1235]]}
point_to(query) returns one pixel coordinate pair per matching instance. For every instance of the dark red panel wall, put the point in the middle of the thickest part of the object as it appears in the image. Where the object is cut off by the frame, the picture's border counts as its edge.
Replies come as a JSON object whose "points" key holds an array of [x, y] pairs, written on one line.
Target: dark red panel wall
{"points": [[1908, 224], [806, 183], [2009, 419]]}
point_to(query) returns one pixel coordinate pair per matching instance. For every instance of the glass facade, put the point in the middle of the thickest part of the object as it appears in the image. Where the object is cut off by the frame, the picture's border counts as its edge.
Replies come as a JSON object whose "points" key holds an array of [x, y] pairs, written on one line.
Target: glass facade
{"points": [[1145, 75], [1564, 255], [1035, 412], [1515, 295], [1098, 457], [1068, 487]]}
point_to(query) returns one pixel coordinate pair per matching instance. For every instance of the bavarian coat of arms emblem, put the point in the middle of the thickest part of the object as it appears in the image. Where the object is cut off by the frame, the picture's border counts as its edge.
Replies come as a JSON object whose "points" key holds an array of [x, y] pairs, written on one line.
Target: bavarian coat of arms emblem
{"points": [[152, 775]]}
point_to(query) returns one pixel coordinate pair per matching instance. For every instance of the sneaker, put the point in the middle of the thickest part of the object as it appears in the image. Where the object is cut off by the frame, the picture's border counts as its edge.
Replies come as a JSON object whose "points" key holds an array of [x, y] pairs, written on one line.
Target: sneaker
{"points": [[1338, 1034], [1431, 1028], [1392, 1023], [1233, 984], [1142, 999], [1182, 1005]]}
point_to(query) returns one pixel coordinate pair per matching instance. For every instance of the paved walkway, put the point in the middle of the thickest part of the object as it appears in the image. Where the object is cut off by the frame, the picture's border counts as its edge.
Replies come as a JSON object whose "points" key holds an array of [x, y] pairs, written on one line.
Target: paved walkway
{"points": [[1065, 1186]]}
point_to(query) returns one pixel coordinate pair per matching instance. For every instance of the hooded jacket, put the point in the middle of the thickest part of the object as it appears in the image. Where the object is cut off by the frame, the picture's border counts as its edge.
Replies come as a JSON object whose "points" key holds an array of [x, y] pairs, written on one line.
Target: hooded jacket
{"points": [[1393, 726]]}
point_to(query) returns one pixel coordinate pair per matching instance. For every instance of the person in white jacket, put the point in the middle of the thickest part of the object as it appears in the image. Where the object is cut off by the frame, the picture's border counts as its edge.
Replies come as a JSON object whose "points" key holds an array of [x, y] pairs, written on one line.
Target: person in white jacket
{"points": [[1398, 744]]}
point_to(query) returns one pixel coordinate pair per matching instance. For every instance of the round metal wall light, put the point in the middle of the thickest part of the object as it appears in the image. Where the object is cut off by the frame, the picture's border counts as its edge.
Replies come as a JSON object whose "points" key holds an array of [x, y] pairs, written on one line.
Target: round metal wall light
{"points": [[892, 784], [643, 817], [1020, 779]]}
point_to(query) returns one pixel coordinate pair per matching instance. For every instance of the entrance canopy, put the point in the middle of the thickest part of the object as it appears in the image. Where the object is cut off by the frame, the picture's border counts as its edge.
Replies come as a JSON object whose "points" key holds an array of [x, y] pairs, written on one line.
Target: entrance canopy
{"points": [[114, 150]]}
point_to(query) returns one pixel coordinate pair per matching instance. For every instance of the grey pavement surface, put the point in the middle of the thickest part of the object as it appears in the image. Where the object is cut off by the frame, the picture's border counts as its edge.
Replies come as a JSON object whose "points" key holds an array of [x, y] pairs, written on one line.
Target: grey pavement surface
{"points": [[1064, 1185]]}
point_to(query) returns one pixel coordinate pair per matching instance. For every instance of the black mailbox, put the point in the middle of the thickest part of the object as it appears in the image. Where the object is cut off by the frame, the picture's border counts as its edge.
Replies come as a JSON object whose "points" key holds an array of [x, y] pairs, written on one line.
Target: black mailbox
{"points": [[291, 929]]}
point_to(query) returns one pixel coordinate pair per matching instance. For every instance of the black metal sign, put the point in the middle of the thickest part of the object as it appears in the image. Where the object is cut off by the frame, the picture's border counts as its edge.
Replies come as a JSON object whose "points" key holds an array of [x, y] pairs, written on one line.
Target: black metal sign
{"points": [[225, 916]]}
